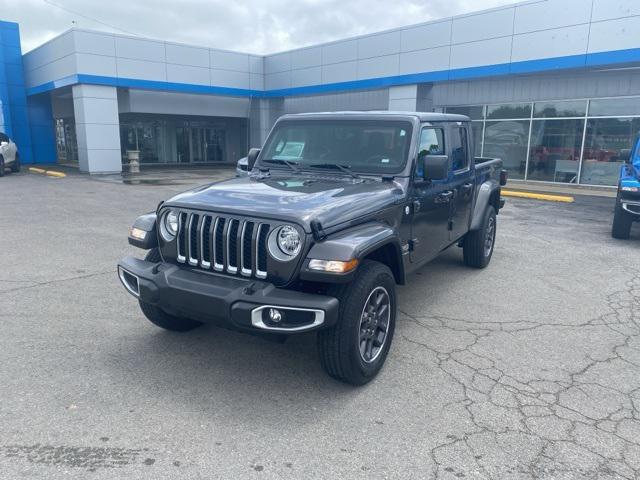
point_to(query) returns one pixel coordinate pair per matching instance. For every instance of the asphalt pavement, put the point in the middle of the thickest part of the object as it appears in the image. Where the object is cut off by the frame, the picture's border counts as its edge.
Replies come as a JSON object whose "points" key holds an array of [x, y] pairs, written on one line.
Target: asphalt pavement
{"points": [[527, 369]]}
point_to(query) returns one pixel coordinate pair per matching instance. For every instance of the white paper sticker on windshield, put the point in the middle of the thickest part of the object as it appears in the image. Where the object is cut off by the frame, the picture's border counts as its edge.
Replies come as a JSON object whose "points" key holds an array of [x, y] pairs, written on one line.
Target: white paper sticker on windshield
{"points": [[385, 160]]}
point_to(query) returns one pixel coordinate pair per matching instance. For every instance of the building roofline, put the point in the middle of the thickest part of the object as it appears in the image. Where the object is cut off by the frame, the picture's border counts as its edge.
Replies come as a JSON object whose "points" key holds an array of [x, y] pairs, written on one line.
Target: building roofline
{"points": [[306, 47]]}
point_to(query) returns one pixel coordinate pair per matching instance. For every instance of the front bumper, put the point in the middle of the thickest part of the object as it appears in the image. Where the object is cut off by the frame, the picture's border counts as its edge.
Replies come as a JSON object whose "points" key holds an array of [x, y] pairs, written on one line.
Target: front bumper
{"points": [[228, 301]]}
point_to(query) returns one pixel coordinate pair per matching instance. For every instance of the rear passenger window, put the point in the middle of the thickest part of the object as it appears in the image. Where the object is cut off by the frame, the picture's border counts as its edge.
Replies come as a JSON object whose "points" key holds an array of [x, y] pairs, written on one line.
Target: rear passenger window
{"points": [[3, 137], [459, 148]]}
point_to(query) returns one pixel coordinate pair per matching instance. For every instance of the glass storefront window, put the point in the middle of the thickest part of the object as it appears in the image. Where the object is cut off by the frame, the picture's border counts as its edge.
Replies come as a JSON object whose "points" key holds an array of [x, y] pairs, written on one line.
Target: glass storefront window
{"points": [[508, 140], [171, 139], [572, 108], [473, 112], [505, 112], [607, 147], [477, 137], [554, 155], [614, 107]]}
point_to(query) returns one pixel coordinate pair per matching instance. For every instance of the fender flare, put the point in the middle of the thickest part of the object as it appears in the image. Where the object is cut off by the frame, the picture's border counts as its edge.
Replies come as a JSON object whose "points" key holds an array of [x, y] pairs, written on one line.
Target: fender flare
{"points": [[485, 192], [356, 242]]}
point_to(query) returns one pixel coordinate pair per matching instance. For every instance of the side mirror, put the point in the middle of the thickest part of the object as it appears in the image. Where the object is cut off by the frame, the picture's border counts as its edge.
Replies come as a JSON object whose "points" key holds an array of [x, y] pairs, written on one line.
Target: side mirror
{"points": [[252, 156], [435, 167]]}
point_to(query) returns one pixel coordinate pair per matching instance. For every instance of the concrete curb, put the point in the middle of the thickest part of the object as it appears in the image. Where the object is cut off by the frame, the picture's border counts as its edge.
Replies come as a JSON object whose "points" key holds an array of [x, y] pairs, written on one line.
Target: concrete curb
{"points": [[538, 196], [50, 173]]}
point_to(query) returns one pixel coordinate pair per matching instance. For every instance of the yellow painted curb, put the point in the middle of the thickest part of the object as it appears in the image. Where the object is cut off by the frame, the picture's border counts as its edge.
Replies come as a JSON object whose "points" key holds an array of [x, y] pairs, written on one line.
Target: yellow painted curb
{"points": [[53, 173], [37, 170], [538, 196]]}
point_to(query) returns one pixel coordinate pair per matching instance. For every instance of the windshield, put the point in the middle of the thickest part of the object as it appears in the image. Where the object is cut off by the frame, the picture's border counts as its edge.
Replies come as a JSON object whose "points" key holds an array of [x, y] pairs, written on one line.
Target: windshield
{"points": [[357, 145]]}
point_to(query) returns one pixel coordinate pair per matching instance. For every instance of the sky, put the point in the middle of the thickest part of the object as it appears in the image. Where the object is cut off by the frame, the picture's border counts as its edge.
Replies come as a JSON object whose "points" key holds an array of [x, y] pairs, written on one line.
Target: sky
{"points": [[254, 26]]}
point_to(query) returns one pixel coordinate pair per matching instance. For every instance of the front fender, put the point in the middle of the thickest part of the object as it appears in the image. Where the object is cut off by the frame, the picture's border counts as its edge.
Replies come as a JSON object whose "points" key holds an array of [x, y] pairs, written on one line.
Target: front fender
{"points": [[356, 242], [146, 223], [483, 199]]}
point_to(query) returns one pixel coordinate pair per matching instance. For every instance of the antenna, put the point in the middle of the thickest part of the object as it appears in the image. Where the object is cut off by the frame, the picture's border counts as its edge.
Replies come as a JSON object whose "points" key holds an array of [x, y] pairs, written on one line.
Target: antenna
{"points": [[73, 22]]}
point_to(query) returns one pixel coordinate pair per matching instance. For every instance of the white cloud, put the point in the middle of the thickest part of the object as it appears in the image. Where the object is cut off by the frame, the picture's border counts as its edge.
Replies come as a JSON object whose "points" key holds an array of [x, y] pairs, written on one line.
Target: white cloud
{"points": [[258, 26]]}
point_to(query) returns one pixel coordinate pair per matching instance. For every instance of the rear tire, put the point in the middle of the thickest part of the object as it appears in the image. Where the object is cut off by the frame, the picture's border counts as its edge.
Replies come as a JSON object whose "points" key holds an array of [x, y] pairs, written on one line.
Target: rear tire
{"points": [[355, 349], [478, 244], [159, 317], [621, 228], [1, 166], [15, 166]]}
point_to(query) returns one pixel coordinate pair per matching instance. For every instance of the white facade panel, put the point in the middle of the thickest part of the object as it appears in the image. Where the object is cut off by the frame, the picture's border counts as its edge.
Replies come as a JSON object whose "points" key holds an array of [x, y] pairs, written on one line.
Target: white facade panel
{"points": [[93, 42], [612, 9], [486, 52], [277, 80], [90, 64], [229, 78], [256, 64], [187, 74], [94, 91], [256, 81], [339, 72], [54, 49], [548, 14], [141, 70], [378, 45], [306, 76], [280, 62], [483, 26], [51, 71], [170, 103], [229, 61], [551, 43], [305, 58], [425, 36], [378, 67], [95, 110], [183, 55], [138, 49], [339, 52], [615, 35], [431, 60]]}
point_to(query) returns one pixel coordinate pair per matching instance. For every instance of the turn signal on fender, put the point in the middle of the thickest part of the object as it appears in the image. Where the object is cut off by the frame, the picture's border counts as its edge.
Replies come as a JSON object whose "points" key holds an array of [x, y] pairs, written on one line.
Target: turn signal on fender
{"points": [[333, 266]]}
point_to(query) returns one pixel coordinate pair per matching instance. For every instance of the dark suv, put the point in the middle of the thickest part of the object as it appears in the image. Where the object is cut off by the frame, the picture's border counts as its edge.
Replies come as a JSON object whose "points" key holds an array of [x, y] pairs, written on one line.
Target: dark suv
{"points": [[338, 209]]}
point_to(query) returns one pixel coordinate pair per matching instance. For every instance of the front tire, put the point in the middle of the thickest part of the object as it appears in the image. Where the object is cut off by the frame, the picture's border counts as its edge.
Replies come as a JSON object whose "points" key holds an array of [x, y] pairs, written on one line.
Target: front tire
{"points": [[477, 246], [355, 349], [159, 317], [15, 166], [621, 228]]}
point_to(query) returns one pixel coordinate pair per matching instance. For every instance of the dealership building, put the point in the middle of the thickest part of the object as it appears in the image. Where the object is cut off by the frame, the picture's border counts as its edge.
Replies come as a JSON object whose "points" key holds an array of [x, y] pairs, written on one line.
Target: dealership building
{"points": [[552, 87]]}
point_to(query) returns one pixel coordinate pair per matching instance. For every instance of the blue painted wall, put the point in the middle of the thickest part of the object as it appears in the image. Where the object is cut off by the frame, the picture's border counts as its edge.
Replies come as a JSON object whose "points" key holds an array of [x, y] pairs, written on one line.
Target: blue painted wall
{"points": [[14, 120]]}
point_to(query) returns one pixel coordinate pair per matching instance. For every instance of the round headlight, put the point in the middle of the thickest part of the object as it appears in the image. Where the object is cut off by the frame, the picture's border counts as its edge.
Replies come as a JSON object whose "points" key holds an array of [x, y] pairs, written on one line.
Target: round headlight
{"points": [[284, 243], [170, 225], [289, 240]]}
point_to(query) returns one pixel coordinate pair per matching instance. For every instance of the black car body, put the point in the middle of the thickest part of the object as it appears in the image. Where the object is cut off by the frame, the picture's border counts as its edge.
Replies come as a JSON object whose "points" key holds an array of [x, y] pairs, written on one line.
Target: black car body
{"points": [[387, 215]]}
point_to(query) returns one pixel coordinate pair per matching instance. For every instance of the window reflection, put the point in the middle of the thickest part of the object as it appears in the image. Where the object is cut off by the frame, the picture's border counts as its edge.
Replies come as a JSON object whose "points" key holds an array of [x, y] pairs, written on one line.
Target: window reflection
{"points": [[607, 146], [555, 150], [508, 140]]}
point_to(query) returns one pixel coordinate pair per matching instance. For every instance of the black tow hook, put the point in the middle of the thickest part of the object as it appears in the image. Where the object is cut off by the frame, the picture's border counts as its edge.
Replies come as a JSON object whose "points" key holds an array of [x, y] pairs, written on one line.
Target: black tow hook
{"points": [[250, 289]]}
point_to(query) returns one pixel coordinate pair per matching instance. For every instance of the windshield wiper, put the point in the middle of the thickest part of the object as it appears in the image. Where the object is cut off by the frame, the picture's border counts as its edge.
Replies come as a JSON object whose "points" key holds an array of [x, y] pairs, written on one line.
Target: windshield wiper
{"points": [[279, 161], [336, 166]]}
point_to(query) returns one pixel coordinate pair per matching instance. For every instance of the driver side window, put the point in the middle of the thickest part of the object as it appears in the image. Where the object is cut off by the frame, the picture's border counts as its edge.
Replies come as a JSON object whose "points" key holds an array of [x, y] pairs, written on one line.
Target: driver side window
{"points": [[431, 143]]}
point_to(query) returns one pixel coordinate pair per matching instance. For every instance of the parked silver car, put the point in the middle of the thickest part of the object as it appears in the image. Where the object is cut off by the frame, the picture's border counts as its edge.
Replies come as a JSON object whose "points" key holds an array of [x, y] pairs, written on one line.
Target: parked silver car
{"points": [[242, 168], [9, 156]]}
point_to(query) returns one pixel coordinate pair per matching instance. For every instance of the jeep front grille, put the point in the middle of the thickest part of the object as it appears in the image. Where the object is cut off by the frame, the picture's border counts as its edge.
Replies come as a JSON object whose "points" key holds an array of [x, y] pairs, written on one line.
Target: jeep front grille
{"points": [[223, 244]]}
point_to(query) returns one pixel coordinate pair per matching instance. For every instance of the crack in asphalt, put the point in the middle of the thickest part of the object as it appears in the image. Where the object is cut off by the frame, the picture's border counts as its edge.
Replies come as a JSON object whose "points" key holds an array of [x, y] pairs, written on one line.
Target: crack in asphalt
{"points": [[578, 418], [58, 280]]}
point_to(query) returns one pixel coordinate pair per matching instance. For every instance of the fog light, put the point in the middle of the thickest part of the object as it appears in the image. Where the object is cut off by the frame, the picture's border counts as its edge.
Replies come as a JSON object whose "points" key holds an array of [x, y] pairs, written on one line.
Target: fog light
{"points": [[275, 315], [137, 233], [333, 266]]}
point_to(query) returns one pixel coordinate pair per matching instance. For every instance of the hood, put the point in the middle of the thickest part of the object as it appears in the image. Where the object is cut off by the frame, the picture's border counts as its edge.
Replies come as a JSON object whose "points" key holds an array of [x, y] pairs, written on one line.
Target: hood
{"points": [[297, 198]]}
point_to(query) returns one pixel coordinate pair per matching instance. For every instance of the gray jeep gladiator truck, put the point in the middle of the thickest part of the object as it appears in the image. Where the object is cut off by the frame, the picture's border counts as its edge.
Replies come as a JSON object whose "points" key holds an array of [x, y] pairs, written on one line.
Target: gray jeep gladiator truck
{"points": [[337, 210]]}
